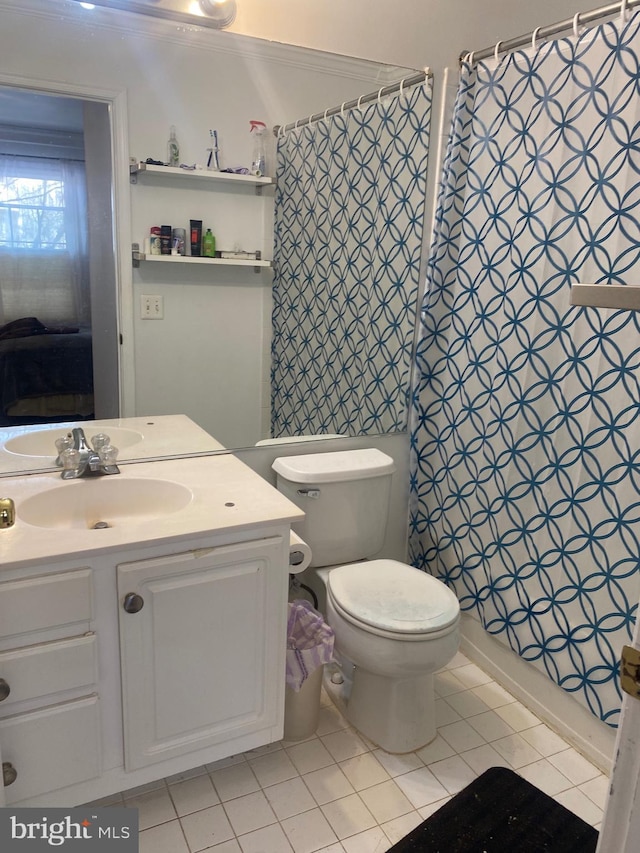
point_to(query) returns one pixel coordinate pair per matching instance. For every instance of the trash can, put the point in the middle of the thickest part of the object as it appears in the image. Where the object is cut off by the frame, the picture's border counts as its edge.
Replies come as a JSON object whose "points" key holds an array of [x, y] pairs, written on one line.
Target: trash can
{"points": [[309, 646]]}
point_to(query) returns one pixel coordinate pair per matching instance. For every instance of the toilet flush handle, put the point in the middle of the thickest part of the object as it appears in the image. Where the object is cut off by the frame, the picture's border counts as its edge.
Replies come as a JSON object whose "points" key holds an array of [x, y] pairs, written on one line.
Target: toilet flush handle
{"points": [[309, 493]]}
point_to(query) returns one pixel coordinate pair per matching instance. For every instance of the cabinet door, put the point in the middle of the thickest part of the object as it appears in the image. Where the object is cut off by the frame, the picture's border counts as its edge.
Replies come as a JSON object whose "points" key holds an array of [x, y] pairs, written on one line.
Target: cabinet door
{"points": [[201, 659]]}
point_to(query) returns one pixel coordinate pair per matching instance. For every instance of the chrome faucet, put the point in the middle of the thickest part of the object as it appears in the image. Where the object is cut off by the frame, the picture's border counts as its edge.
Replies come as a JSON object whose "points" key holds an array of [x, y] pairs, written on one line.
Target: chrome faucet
{"points": [[77, 459]]}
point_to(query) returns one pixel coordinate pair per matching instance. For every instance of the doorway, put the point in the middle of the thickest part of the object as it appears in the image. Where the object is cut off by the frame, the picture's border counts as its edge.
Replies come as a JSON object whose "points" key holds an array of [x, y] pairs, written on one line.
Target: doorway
{"points": [[58, 285]]}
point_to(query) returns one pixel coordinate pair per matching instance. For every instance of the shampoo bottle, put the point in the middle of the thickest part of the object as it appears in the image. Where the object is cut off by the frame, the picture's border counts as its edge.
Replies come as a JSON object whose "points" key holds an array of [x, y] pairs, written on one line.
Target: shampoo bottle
{"points": [[209, 245], [173, 149]]}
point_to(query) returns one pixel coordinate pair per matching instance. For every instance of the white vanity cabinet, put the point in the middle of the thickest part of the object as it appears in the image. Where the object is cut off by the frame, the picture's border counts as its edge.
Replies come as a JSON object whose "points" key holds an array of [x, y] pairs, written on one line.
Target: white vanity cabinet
{"points": [[197, 645], [49, 707]]}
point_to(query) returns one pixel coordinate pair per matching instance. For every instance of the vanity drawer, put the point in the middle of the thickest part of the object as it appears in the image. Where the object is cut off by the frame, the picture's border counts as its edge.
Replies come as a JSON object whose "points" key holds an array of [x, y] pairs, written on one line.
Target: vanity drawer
{"points": [[51, 748], [33, 671], [46, 601]]}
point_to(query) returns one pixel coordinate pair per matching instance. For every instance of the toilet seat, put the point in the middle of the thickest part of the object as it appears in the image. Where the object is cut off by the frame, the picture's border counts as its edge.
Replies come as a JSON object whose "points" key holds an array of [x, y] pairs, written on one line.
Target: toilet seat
{"points": [[393, 599]]}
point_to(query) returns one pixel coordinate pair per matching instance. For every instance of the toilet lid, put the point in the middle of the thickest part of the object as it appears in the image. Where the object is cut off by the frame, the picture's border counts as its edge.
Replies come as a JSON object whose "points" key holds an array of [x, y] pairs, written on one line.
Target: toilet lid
{"points": [[393, 596]]}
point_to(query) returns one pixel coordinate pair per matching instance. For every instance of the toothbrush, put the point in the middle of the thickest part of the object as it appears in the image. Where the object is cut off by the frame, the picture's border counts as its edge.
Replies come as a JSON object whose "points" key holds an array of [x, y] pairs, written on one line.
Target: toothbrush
{"points": [[212, 162]]}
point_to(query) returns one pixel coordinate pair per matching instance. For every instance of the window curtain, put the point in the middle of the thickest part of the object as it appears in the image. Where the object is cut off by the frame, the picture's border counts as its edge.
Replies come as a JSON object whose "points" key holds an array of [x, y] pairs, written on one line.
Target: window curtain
{"points": [[525, 426], [43, 241], [348, 237]]}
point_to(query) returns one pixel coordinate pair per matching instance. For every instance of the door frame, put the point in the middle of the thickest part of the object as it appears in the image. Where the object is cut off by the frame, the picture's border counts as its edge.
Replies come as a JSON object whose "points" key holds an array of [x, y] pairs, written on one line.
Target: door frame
{"points": [[116, 100]]}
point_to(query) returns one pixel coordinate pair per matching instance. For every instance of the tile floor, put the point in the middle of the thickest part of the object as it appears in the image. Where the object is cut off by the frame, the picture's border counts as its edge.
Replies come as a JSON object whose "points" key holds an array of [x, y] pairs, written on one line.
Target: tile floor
{"points": [[337, 793]]}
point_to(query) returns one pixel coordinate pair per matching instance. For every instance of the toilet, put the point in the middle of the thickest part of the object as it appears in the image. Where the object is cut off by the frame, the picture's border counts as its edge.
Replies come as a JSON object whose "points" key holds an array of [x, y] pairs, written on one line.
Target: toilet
{"points": [[394, 625]]}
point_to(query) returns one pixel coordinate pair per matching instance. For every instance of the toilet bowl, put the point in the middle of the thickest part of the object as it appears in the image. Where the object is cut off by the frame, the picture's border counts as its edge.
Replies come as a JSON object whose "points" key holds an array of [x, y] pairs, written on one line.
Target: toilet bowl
{"points": [[394, 625], [398, 626]]}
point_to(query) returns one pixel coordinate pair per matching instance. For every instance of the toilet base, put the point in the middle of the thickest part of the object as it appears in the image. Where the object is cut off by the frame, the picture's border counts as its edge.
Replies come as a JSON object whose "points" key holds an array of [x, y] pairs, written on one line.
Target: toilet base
{"points": [[398, 715]]}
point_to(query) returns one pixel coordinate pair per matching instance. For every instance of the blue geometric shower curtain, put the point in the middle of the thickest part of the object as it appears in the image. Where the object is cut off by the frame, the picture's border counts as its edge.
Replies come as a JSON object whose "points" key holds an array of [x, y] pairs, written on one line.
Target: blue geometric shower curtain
{"points": [[525, 493], [348, 237]]}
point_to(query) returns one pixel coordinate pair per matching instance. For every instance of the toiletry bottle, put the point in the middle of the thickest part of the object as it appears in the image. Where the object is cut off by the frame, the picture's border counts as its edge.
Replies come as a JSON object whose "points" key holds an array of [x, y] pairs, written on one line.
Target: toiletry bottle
{"points": [[259, 161], [209, 245], [173, 149]]}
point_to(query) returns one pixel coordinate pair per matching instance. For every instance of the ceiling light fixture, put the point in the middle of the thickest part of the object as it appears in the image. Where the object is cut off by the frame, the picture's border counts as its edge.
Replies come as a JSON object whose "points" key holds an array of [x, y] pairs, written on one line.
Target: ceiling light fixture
{"points": [[216, 14]]}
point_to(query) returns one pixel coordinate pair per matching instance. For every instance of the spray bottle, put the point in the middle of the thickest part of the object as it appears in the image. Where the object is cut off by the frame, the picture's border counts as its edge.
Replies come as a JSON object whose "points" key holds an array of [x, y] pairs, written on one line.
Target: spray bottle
{"points": [[173, 149], [259, 161]]}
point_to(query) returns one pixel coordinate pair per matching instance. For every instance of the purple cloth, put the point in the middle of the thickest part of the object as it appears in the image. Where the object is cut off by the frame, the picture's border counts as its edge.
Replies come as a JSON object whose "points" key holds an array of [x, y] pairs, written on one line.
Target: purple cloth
{"points": [[309, 643]]}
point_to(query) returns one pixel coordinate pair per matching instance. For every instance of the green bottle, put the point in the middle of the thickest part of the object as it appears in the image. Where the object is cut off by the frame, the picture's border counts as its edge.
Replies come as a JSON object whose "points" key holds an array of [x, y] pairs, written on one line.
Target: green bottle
{"points": [[209, 245]]}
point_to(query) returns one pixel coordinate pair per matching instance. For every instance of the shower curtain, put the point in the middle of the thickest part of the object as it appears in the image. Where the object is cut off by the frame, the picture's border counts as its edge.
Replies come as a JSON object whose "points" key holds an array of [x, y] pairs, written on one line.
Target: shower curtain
{"points": [[525, 425], [348, 237]]}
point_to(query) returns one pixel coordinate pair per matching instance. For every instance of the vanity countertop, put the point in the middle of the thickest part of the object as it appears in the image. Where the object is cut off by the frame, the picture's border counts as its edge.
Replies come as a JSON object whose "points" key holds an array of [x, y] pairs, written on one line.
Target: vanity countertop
{"points": [[159, 436], [227, 496]]}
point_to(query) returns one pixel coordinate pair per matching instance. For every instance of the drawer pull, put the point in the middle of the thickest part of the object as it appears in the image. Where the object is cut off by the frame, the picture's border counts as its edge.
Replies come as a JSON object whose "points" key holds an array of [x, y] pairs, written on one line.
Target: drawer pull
{"points": [[4, 689], [9, 773], [133, 602]]}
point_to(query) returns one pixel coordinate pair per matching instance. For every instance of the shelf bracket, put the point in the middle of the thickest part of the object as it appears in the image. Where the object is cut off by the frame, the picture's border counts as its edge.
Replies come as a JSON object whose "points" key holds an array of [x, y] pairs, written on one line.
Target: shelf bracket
{"points": [[135, 255], [625, 297]]}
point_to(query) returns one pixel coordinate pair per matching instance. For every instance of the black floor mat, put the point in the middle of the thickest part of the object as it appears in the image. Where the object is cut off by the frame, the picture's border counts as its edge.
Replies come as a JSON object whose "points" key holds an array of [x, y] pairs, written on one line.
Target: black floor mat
{"points": [[500, 812]]}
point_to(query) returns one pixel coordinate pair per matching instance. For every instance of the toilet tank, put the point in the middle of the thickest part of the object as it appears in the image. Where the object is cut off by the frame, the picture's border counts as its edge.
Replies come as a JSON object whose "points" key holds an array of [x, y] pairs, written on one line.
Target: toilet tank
{"points": [[345, 497]]}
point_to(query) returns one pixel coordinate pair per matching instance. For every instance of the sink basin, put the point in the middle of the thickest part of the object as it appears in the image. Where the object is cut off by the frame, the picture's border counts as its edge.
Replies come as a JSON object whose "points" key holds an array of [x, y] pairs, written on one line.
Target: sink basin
{"points": [[42, 442], [106, 501]]}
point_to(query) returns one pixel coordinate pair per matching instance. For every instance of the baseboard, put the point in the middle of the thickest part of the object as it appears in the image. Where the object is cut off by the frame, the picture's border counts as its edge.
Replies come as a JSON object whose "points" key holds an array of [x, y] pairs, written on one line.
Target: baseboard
{"points": [[554, 706]]}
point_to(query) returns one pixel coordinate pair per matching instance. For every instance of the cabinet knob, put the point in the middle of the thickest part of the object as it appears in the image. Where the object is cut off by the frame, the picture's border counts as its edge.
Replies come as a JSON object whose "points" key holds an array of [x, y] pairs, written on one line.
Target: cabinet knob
{"points": [[9, 773], [133, 602], [4, 689]]}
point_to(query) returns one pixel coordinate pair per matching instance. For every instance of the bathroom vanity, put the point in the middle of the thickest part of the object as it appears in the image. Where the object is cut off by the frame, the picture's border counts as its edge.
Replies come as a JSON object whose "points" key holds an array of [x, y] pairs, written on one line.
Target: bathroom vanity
{"points": [[145, 648]]}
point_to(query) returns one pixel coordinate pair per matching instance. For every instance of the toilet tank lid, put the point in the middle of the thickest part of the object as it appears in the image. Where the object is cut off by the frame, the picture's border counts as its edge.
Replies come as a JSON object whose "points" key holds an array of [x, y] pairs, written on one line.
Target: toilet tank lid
{"points": [[334, 467]]}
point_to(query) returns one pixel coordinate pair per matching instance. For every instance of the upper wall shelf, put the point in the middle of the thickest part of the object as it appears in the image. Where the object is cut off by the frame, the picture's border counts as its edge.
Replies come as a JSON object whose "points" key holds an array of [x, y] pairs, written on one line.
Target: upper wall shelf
{"points": [[141, 170]]}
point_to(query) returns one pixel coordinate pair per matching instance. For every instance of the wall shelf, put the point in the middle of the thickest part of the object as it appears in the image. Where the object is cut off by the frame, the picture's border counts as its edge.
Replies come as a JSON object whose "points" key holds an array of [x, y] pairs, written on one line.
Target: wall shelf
{"points": [[141, 170], [139, 256]]}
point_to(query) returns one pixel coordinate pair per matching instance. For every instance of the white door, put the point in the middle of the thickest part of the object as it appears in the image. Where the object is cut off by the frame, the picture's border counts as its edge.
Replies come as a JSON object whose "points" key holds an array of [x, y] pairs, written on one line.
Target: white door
{"points": [[620, 831]]}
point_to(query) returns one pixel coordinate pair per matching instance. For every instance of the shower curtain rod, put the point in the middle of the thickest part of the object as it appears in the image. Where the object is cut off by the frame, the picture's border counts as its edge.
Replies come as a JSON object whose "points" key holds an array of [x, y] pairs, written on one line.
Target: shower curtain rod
{"points": [[413, 80], [551, 30]]}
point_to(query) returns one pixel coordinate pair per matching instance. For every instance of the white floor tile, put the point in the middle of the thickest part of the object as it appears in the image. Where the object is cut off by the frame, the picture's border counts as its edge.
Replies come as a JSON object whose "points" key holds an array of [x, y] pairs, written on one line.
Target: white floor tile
{"points": [[273, 768], [490, 726], [386, 801], [186, 774], [435, 751], [364, 771], [348, 816], [397, 828], [545, 776], [483, 758], [467, 703], [270, 839], [427, 811], [194, 794], [446, 683], [249, 812], [471, 675], [461, 736], [234, 781], [310, 755], [517, 716], [580, 805], [330, 720], [493, 694], [153, 808], [453, 773], [421, 787], [289, 798], [231, 846], [395, 765], [516, 750], [371, 841], [328, 783], [206, 828], [574, 766], [542, 738], [344, 744], [309, 832], [597, 790], [459, 659], [166, 838]]}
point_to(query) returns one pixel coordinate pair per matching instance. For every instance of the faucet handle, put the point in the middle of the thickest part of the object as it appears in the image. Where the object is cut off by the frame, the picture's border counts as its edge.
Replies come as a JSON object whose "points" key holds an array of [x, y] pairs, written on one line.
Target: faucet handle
{"points": [[108, 456], [65, 442], [100, 440], [70, 459]]}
